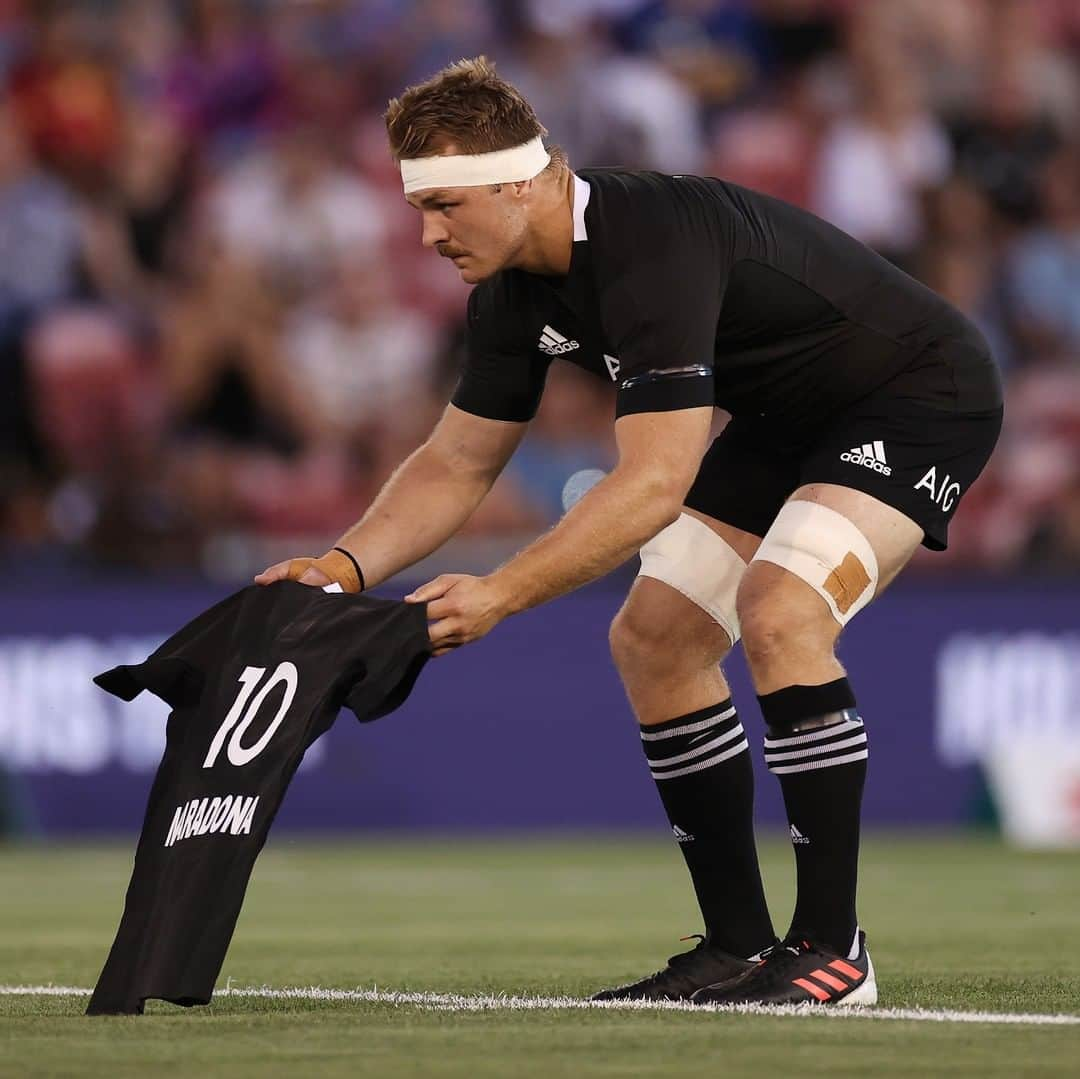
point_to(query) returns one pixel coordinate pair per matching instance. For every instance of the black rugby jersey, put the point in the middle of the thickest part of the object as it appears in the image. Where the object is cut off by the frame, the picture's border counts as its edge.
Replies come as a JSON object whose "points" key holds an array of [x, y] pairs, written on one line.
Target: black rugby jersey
{"points": [[689, 291], [252, 682]]}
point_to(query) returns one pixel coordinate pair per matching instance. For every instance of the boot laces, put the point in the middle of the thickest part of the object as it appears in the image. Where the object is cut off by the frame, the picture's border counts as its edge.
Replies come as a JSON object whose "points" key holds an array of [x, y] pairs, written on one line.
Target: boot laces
{"points": [[775, 964]]}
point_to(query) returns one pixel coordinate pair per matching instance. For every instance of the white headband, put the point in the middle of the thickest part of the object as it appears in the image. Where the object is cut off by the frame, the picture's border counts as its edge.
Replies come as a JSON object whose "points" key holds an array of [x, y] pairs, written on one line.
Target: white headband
{"points": [[475, 170]]}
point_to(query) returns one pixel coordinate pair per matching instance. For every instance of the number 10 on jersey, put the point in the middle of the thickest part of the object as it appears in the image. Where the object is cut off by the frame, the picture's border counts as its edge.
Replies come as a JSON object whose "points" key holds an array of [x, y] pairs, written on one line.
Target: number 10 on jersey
{"points": [[242, 714]]}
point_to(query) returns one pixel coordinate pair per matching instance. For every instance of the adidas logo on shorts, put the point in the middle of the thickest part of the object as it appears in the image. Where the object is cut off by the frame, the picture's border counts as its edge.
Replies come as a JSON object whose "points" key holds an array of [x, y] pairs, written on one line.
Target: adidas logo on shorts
{"points": [[869, 455], [554, 344], [681, 836]]}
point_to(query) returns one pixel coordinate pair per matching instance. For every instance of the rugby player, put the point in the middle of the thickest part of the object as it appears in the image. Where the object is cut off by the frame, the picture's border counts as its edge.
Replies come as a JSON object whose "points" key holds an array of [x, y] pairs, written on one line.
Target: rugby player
{"points": [[863, 407]]}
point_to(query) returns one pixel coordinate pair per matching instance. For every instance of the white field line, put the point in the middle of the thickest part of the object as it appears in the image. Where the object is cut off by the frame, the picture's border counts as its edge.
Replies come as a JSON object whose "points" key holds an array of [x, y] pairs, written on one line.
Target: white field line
{"points": [[453, 1002]]}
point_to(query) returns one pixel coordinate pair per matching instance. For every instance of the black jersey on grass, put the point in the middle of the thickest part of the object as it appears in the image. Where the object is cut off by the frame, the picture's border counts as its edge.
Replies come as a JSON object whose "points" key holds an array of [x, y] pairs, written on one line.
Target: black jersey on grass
{"points": [[252, 682], [732, 298]]}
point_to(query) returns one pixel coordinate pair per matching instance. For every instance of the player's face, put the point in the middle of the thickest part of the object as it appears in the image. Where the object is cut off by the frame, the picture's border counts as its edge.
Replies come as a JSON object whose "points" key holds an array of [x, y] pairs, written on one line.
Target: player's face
{"points": [[479, 228]]}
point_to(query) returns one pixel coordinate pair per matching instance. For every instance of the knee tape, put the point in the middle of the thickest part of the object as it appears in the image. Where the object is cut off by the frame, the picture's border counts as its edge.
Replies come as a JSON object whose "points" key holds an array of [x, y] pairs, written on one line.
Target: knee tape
{"points": [[690, 557], [827, 551]]}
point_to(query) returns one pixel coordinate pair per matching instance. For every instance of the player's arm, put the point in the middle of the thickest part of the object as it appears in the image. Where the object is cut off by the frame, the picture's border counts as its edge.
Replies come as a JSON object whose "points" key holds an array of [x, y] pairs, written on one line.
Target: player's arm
{"points": [[660, 260], [425, 502], [659, 455]]}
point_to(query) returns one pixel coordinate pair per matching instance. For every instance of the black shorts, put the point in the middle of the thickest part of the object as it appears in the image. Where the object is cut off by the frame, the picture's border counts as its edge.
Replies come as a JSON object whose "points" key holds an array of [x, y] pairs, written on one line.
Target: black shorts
{"points": [[917, 443]]}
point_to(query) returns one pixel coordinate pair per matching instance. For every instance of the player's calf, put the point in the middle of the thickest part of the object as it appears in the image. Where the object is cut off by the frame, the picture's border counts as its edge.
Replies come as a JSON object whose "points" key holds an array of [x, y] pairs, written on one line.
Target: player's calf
{"points": [[667, 642], [816, 746]]}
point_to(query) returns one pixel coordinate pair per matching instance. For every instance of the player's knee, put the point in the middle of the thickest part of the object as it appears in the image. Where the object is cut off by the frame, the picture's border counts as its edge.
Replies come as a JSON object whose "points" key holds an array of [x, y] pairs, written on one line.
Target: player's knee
{"points": [[647, 638], [812, 573], [782, 619], [826, 552], [703, 570], [771, 631], [637, 640]]}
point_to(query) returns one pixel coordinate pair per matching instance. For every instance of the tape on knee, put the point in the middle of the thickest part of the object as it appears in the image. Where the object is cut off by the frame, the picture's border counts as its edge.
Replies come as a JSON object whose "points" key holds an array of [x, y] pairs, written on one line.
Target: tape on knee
{"points": [[690, 557], [827, 551]]}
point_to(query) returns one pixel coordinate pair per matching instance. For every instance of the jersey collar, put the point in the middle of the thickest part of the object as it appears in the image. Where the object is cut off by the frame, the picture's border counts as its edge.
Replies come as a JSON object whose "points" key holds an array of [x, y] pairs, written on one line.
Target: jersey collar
{"points": [[582, 191]]}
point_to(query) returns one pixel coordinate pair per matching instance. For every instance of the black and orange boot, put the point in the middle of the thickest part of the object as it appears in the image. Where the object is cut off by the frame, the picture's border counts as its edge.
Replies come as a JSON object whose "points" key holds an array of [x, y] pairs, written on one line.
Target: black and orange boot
{"points": [[797, 971], [685, 973]]}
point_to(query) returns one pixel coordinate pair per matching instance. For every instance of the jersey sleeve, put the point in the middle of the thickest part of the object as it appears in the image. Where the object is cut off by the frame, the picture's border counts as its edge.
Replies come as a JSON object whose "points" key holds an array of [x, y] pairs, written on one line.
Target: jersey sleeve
{"points": [[176, 670], [661, 292], [502, 379]]}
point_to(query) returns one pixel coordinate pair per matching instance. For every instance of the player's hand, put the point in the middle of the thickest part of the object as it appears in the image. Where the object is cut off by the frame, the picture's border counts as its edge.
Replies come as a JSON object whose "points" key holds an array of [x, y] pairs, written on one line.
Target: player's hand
{"points": [[332, 566], [460, 609]]}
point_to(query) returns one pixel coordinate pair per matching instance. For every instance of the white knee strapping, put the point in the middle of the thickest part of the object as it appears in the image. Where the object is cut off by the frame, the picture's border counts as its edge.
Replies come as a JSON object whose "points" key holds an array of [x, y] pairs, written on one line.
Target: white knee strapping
{"points": [[690, 557], [827, 551]]}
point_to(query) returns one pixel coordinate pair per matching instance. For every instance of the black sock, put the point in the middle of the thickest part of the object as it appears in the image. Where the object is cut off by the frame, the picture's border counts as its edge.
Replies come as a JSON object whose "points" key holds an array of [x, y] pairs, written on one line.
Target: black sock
{"points": [[821, 770], [701, 764]]}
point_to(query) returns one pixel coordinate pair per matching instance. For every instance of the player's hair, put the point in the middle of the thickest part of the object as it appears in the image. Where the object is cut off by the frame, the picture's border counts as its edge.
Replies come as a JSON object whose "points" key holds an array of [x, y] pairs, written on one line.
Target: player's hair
{"points": [[468, 105]]}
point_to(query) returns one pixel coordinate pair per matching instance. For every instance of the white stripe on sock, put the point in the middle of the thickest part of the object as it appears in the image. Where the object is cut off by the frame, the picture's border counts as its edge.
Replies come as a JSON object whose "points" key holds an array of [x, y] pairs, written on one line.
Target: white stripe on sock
{"points": [[697, 751], [688, 728], [814, 751], [811, 766], [814, 736], [702, 765]]}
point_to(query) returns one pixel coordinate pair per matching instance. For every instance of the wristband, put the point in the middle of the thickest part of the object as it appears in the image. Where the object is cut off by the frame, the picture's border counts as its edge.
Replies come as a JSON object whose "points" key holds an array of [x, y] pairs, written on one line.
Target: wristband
{"points": [[356, 565]]}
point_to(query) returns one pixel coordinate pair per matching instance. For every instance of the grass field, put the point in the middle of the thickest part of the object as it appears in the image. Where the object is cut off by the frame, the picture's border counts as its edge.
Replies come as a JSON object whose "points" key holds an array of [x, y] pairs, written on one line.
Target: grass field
{"points": [[954, 923]]}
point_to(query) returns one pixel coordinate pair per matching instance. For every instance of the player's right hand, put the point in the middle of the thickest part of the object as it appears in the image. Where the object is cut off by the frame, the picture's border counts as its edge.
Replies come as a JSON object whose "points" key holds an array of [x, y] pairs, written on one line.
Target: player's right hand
{"points": [[332, 566]]}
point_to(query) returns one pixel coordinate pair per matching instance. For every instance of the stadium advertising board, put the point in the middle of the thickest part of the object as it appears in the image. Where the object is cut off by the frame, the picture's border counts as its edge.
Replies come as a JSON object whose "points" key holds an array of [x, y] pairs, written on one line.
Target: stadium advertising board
{"points": [[530, 729]]}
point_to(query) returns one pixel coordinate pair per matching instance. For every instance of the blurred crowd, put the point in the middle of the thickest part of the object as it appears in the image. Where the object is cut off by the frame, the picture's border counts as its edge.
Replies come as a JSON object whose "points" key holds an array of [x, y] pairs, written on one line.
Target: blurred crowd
{"points": [[219, 333]]}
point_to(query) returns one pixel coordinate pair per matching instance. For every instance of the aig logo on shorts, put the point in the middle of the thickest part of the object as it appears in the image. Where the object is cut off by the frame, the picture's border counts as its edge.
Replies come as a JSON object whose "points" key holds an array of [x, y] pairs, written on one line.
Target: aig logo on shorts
{"points": [[943, 492]]}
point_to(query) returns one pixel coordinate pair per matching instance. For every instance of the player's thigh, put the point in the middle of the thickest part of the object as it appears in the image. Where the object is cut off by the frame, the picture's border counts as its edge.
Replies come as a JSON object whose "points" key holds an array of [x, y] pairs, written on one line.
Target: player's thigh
{"points": [[898, 463], [886, 476], [690, 572], [891, 535], [830, 552]]}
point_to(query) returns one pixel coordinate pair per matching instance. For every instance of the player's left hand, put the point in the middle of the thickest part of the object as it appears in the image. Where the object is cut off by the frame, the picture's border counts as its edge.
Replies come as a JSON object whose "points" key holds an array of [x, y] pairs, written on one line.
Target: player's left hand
{"points": [[460, 609]]}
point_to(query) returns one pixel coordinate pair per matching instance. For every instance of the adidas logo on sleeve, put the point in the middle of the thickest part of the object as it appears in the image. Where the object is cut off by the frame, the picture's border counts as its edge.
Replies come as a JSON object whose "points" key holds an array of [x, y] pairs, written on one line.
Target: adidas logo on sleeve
{"points": [[554, 344], [870, 455]]}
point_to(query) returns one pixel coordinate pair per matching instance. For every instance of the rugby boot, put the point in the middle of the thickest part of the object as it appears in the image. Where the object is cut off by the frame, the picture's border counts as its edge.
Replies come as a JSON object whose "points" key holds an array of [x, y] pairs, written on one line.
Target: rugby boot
{"points": [[798, 971], [685, 973]]}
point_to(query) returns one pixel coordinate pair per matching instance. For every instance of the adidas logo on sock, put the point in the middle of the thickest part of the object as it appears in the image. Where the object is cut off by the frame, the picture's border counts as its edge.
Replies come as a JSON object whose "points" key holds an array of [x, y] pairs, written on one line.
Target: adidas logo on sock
{"points": [[797, 836], [681, 836], [869, 455], [554, 344]]}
